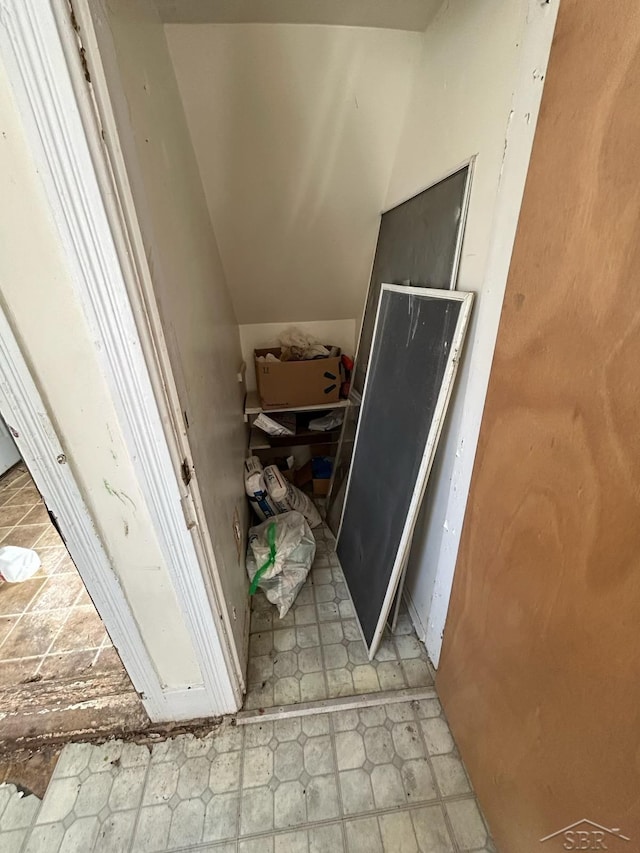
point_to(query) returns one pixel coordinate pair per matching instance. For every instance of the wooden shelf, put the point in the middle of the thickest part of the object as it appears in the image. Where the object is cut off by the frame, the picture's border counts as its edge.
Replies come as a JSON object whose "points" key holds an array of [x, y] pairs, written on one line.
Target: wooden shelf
{"points": [[252, 406], [259, 440]]}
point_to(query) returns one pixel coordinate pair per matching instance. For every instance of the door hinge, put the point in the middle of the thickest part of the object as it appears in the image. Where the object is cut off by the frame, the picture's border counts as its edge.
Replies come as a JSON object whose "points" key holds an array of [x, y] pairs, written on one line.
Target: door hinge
{"points": [[81, 49], [189, 511], [186, 472]]}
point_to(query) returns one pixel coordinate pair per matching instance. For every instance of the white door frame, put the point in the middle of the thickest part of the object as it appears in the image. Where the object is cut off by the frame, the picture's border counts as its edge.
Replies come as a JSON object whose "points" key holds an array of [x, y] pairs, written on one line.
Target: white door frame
{"points": [[113, 162], [43, 62], [28, 421]]}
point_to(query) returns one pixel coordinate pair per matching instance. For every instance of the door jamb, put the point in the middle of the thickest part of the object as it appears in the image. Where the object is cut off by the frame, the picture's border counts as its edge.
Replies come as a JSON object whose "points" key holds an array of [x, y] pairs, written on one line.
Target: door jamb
{"points": [[97, 115], [28, 422], [44, 65]]}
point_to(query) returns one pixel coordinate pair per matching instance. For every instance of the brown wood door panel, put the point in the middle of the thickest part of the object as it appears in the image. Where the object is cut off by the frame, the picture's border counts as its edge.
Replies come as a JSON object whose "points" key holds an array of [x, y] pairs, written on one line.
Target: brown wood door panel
{"points": [[540, 671]]}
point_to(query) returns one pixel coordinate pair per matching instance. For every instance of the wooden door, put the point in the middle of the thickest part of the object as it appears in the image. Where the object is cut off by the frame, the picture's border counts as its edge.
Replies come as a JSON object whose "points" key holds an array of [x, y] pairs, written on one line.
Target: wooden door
{"points": [[540, 671]]}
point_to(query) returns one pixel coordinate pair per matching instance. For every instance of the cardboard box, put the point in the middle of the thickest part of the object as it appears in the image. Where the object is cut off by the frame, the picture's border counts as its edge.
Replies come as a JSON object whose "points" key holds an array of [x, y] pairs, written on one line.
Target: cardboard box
{"points": [[289, 384], [304, 475], [321, 487]]}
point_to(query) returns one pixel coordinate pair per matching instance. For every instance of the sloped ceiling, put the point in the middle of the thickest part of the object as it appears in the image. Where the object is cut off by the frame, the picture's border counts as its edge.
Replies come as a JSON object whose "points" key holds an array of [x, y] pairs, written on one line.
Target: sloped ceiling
{"points": [[295, 130], [387, 14]]}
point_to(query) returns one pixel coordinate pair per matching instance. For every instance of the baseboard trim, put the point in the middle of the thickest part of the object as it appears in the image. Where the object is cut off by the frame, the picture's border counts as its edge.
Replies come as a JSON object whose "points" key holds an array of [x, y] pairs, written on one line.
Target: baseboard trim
{"points": [[415, 617], [190, 703]]}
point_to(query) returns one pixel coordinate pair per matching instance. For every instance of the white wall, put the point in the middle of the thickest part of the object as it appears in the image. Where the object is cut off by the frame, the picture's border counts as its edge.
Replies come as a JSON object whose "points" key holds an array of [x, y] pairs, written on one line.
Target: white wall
{"points": [[477, 91], [295, 130], [339, 333], [40, 302], [392, 14], [198, 320]]}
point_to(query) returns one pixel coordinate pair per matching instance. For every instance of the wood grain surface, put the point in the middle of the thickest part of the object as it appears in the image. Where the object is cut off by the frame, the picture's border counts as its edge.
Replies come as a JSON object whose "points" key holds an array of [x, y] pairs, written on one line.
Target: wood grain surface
{"points": [[540, 672]]}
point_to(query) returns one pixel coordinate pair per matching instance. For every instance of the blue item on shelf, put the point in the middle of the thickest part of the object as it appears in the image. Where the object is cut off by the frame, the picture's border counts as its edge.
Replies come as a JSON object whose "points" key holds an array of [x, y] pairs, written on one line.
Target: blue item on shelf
{"points": [[322, 466]]}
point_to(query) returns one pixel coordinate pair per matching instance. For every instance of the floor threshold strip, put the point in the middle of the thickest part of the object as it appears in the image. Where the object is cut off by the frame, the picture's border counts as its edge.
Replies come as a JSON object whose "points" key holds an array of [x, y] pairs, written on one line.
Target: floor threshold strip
{"points": [[342, 703]]}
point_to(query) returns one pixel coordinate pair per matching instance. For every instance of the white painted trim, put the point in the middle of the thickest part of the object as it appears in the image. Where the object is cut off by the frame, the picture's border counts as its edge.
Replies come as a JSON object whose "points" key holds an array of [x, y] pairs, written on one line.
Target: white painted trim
{"points": [[107, 142], [416, 619], [525, 106], [437, 421], [28, 420], [42, 64], [188, 703]]}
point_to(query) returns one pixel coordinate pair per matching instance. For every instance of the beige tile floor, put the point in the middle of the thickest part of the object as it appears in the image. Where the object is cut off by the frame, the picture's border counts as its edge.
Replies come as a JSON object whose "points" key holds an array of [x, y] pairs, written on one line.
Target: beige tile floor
{"points": [[49, 628], [380, 779], [316, 651], [57, 664], [383, 779]]}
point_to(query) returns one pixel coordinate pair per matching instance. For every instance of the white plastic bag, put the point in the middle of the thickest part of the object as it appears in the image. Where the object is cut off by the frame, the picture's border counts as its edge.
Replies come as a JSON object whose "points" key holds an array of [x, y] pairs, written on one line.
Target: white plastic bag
{"points": [[275, 426], [330, 421], [279, 556], [256, 489], [285, 496], [18, 564], [298, 346]]}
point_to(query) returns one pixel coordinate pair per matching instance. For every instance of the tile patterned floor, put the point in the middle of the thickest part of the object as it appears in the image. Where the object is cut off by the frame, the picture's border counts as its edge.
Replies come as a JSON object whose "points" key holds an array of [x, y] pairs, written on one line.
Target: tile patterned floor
{"points": [[60, 677], [49, 628], [316, 651], [384, 779]]}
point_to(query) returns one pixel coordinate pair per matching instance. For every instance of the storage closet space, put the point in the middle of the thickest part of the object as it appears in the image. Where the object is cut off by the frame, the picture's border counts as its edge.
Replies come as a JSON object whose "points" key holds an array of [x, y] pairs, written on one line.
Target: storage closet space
{"points": [[317, 652], [261, 159], [305, 641], [341, 629]]}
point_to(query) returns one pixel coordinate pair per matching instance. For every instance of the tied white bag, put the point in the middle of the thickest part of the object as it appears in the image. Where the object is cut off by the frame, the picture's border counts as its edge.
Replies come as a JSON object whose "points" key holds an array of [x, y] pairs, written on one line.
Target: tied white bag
{"points": [[279, 556], [18, 564]]}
